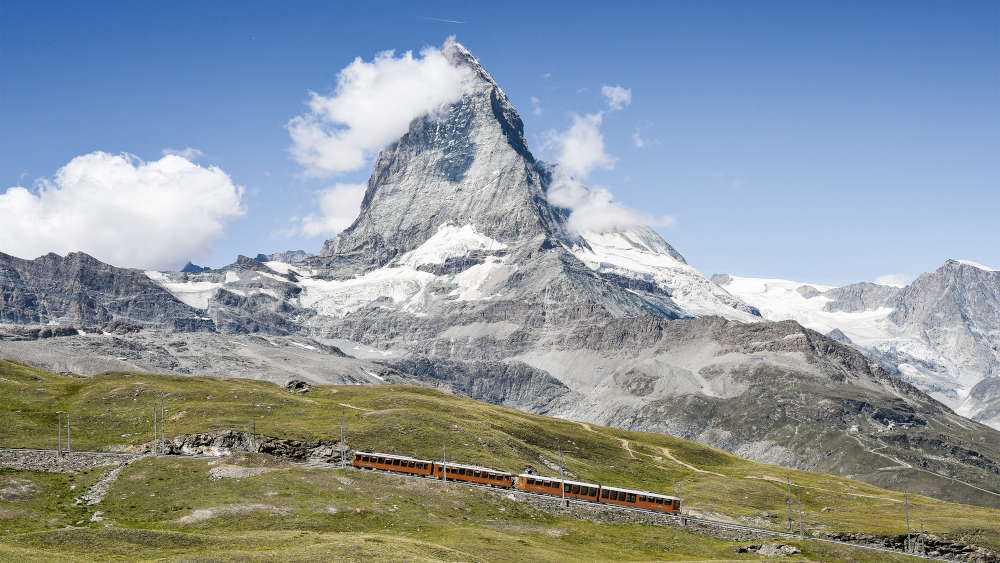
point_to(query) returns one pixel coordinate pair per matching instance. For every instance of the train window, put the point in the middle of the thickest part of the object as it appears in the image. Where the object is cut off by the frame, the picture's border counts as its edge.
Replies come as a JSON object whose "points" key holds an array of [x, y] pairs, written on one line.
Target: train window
{"points": [[477, 473], [604, 493], [630, 498], [642, 498], [566, 488]]}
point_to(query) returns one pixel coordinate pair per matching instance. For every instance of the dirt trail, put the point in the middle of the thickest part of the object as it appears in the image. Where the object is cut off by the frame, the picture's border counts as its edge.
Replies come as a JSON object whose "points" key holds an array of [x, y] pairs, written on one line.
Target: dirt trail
{"points": [[669, 455], [354, 407], [627, 448]]}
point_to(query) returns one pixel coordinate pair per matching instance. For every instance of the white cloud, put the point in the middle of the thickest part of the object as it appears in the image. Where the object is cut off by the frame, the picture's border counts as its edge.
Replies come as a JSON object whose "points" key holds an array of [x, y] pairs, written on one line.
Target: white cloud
{"points": [[595, 208], [893, 280], [637, 139], [617, 96], [339, 206], [579, 151], [536, 106], [121, 210], [373, 105], [189, 153]]}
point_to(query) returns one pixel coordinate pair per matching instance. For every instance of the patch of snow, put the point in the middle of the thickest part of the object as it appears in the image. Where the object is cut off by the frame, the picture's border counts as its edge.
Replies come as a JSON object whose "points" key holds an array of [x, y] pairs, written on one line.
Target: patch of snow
{"points": [[193, 293], [404, 286], [983, 267], [450, 242], [303, 346], [273, 276], [780, 300], [281, 267], [232, 277], [474, 283]]}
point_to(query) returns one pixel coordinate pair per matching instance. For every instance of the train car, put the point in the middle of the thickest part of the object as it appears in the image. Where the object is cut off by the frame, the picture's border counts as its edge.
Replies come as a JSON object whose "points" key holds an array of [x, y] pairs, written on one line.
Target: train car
{"points": [[552, 485], [639, 499], [395, 463], [473, 474]]}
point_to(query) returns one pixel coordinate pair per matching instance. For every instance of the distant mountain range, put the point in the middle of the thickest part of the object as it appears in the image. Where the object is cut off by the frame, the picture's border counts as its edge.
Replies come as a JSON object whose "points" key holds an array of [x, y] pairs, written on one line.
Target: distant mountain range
{"points": [[458, 272], [941, 332]]}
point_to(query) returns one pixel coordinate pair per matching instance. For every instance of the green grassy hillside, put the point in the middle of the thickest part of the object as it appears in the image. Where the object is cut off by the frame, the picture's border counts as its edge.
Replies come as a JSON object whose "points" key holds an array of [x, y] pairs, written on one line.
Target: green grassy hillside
{"points": [[115, 409], [173, 509]]}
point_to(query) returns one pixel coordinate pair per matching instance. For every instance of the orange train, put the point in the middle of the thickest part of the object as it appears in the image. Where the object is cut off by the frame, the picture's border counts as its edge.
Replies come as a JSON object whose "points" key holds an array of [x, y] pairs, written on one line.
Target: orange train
{"points": [[537, 484]]}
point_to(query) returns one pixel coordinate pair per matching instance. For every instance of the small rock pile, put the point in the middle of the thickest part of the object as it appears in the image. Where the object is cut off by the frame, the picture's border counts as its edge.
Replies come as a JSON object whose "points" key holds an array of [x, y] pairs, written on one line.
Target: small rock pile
{"points": [[769, 549]]}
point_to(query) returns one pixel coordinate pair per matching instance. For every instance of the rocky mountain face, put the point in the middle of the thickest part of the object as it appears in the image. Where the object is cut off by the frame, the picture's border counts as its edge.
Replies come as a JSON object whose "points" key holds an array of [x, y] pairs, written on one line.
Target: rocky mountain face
{"points": [[941, 332], [459, 273], [82, 291]]}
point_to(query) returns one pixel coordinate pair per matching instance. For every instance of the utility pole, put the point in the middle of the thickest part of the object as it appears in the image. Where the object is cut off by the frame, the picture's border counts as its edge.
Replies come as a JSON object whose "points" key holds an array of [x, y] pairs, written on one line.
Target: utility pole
{"points": [[798, 497], [444, 460], [343, 442], [906, 514], [163, 427], [788, 503], [156, 446], [69, 437], [58, 433], [562, 477]]}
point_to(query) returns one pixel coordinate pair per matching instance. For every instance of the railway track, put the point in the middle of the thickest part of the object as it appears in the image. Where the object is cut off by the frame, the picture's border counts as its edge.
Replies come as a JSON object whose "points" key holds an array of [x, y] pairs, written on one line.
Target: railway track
{"points": [[680, 519]]}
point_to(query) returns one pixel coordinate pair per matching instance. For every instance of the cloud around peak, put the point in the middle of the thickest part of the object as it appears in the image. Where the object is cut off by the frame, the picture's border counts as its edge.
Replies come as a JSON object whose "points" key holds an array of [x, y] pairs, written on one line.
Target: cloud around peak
{"points": [[122, 210], [339, 206], [372, 106], [578, 152]]}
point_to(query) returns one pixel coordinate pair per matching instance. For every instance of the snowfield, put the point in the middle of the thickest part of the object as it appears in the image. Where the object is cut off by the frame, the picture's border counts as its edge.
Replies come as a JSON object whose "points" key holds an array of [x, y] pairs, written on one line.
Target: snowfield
{"points": [[640, 253], [195, 294]]}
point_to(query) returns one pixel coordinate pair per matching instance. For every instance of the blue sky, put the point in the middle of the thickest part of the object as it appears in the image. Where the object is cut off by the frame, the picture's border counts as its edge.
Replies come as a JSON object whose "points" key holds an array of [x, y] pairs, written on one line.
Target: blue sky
{"points": [[819, 141]]}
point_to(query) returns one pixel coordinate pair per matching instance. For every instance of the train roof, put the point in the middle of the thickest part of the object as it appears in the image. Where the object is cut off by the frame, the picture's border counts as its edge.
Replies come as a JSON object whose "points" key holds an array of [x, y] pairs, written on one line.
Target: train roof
{"points": [[637, 492], [394, 456], [557, 480], [449, 464], [473, 467]]}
